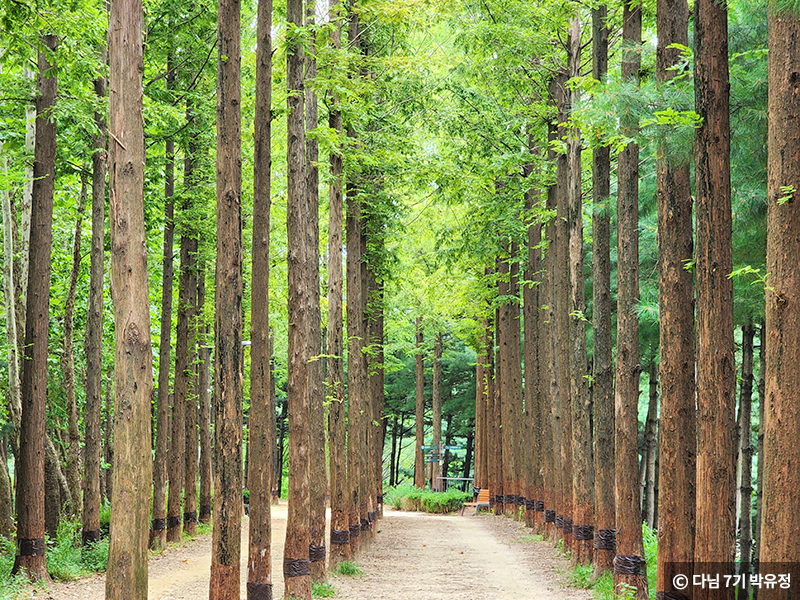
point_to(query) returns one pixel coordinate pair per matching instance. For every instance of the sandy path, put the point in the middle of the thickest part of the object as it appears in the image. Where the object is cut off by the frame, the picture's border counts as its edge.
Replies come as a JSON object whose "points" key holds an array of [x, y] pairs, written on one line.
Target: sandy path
{"points": [[414, 556]]}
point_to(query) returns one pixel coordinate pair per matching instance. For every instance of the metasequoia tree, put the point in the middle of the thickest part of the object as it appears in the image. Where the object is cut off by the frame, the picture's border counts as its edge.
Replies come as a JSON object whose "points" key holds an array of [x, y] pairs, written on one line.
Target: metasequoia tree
{"points": [[629, 564], [226, 541], [158, 534], [419, 439], [340, 533], [677, 438], [204, 409], [296, 566], [436, 411], [781, 418], [746, 449], [715, 535], [30, 466], [602, 355], [133, 376], [262, 410]]}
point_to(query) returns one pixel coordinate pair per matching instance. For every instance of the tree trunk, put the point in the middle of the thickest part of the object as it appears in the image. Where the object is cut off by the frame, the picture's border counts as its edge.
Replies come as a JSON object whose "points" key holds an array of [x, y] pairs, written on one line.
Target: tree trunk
{"points": [[225, 550], [296, 567], [602, 356], [56, 495], [503, 386], [337, 436], [677, 438], [318, 477], [30, 464], [651, 448], [93, 341], [133, 385], [746, 451], [158, 535], [262, 408], [281, 447], [6, 496], [203, 386], [191, 415], [629, 565], [715, 536], [762, 364], [436, 397], [68, 365], [419, 455], [781, 418], [108, 434], [493, 423]]}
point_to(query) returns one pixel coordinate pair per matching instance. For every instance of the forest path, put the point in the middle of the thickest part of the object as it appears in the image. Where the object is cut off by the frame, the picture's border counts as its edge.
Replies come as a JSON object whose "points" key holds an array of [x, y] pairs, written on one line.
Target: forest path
{"points": [[415, 556]]}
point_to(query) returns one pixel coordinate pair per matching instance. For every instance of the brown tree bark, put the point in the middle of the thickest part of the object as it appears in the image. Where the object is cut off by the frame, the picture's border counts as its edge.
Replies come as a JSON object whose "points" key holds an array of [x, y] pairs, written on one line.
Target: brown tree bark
{"points": [[781, 418], [715, 536], [677, 438], [650, 451], [580, 394], [317, 472], [30, 463], [108, 434], [296, 566], [68, 364], [493, 422], [629, 564], [482, 423], [419, 455], [262, 408], [602, 355], [337, 435], [204, 412], [158, 534], [226, 539], [762, 369], [746, 450], [93, 340], [133, 385]]}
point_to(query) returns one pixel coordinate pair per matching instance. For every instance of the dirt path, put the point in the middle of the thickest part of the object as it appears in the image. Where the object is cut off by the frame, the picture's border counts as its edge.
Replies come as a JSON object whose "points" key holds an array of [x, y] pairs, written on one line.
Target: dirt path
{"points": [[414, 557]]}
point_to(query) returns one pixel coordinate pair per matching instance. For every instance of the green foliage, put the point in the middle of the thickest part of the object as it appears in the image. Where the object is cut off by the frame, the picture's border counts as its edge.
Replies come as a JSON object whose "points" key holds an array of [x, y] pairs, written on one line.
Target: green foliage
{"points": [[68, 561], [350, 569], [322, 590], [581, 577], [409, 497], [10, 587]]}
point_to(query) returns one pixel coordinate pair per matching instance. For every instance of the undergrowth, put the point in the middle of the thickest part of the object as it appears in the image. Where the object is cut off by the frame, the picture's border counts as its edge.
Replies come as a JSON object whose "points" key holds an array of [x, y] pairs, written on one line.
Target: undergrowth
{"points": [[349, 569], [322, 590], [409, 497]]}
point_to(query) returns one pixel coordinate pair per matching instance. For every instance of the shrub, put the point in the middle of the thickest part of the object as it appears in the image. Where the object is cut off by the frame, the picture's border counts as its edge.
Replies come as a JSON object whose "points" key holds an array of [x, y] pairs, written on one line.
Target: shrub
{"points": [[322, 590], [410, 498], [350, 569]]}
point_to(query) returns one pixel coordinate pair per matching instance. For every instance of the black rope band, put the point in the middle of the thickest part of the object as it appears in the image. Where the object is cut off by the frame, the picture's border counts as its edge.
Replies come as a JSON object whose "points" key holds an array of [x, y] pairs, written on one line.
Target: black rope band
{"points": [[259, 591], [31, 546], [583, 532], [519, 500], [364, 525], [190, 517], [549, 516], [205, 510], [500, 499], [606, 539], [355, 530], [530, 504], [340, 537], [296, 567], [316, 553], [568, 526], [630, 564], [492, 500], [559, 521], [159, 524], [671, 596], [539, 506], [90, 537], [372, 516], [173, 522], [380, 498]]}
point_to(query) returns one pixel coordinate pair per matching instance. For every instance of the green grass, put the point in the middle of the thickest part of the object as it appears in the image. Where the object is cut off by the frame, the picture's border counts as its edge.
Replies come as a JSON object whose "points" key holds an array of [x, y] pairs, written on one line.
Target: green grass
{"points": [[604, 586], [409, 497], [322, 590], [350, 569]]}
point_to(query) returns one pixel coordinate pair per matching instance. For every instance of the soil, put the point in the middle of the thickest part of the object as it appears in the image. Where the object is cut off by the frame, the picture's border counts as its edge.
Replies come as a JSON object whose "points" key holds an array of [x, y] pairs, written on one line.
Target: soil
{"points": [[414, 556]]}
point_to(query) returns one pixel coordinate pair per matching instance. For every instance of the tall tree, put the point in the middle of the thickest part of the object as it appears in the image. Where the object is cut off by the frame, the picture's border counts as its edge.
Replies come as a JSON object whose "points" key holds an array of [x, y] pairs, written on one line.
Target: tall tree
{"points": [[602, 355], [715, 536], [419, 456], [226, 541], [159, 525], [746, 449], [93, 341], [204, 411], [677, 440], [133, 384], [781, 419], [30, 467], [629, 564], [436, 410], [340, 533], [68, 363], [296, 566], [262, 410]]}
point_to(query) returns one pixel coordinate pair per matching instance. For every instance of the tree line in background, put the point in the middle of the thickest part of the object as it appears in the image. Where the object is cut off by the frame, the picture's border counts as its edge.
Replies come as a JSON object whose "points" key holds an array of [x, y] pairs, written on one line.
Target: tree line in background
{"points": [[393, 180]]}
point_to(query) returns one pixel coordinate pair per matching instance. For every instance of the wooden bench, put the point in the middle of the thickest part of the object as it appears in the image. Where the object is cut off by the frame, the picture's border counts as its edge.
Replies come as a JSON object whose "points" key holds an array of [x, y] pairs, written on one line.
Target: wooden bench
{"points": [[483, 501]]}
